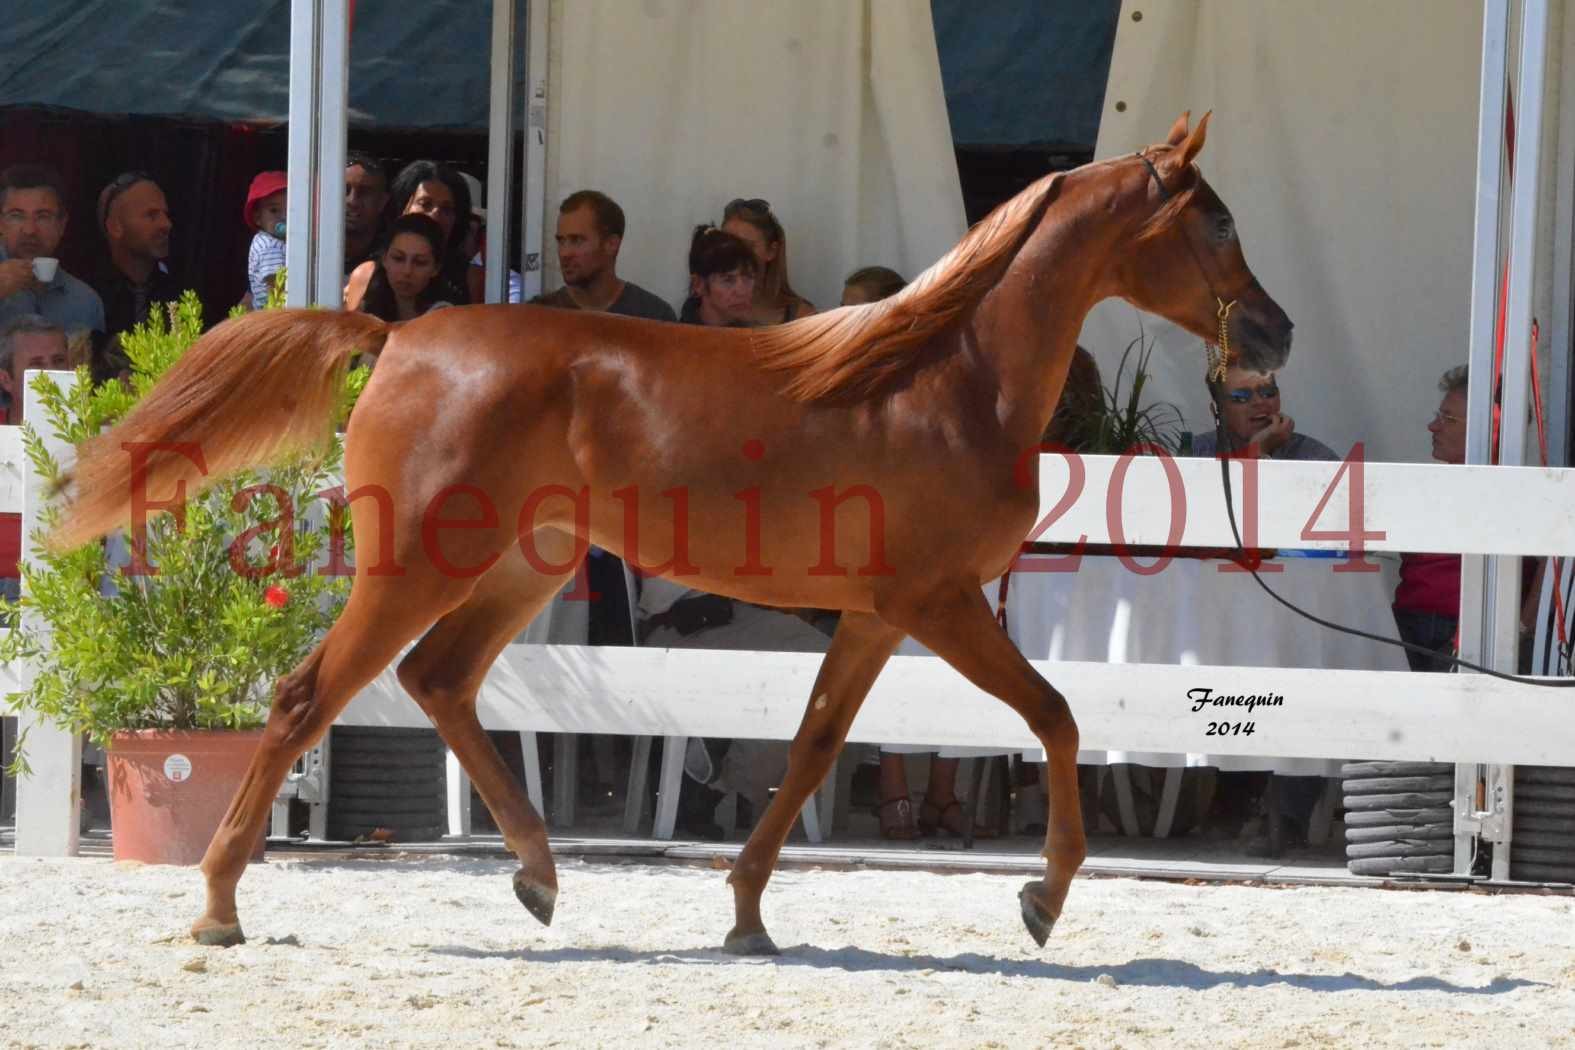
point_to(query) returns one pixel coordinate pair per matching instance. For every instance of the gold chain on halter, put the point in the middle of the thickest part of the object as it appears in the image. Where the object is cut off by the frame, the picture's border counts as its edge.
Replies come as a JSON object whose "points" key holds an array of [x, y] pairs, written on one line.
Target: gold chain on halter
{"points": [[1219, 353]]}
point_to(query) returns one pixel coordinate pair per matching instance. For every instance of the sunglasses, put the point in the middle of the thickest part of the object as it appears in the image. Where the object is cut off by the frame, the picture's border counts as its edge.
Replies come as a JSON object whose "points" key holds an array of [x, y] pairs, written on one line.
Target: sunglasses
{"points": [[122, 183], [750, 204], [1243, 395]]}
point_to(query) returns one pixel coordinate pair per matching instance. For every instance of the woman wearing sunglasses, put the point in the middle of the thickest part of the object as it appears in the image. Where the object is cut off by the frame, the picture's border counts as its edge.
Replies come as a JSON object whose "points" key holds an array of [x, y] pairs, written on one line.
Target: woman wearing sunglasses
{"points": [[1247, 406]]}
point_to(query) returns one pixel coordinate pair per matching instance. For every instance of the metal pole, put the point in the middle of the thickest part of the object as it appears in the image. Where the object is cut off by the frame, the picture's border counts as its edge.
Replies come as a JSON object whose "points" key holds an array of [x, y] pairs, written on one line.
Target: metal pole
{"points": [[1505, 623], [500, 151], [1561, 330], [299, 244], [534, 159], [1484, 301], [332, 102]]}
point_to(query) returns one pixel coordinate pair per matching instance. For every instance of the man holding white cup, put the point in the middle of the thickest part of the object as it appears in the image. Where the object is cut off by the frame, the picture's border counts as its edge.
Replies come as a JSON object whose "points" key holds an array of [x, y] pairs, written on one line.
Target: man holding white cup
{"points": [[32, 223]]}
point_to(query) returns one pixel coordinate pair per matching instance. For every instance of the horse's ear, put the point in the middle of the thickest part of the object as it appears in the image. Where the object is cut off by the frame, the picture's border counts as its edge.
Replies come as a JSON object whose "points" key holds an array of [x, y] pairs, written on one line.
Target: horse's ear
{"points": [[1178, 130], [1188, 149]]}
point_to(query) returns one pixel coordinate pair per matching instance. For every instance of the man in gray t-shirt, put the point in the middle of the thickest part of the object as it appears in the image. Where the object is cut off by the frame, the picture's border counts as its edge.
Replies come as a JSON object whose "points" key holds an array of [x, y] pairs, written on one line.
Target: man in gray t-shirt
{"points": [[590, 232], [1248, 405]]}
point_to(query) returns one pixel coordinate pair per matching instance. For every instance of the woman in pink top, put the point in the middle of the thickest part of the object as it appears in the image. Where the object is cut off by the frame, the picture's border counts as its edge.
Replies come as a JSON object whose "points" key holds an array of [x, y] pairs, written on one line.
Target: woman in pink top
{"points": [[1427, 602]]}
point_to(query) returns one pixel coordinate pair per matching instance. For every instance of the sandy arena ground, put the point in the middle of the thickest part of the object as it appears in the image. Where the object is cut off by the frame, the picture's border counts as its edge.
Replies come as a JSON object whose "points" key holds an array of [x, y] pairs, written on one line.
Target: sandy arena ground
{"points": [[436, 952]]}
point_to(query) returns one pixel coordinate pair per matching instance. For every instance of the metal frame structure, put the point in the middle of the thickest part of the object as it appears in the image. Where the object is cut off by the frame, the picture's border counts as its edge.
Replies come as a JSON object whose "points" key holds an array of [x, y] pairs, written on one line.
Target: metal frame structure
{"points": [[1489, 586]]}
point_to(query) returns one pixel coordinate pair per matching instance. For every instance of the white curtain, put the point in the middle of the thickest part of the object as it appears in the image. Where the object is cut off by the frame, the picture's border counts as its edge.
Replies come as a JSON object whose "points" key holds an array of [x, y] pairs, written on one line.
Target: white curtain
{"points": [[1344, 141], [831, 110]]}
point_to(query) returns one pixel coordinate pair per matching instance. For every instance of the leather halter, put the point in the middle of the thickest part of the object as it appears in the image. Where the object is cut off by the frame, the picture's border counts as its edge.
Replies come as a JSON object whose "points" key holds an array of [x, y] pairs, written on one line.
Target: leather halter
{"points": [[1219, 353]]}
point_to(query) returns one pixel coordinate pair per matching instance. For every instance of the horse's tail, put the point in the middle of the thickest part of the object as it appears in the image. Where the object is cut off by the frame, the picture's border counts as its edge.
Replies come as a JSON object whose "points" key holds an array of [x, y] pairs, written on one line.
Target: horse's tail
{"points": [[249, 391]]}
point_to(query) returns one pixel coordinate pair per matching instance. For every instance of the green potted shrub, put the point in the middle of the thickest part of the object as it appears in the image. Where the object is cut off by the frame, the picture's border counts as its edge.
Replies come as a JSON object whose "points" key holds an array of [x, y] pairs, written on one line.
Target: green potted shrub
{"points": [[170, 669], [1114, 421]]}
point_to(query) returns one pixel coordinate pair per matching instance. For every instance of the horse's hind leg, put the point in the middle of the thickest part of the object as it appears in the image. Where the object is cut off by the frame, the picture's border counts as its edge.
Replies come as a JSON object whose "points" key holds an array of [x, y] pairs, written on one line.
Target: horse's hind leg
{"points": [[957, 626], [444, 673], [861, 647], [383, 614]]}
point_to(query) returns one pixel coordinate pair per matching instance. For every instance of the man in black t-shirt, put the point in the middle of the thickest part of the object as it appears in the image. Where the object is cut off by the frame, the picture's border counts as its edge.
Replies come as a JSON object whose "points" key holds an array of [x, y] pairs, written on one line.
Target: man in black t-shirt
{"points": [[134, 277]]}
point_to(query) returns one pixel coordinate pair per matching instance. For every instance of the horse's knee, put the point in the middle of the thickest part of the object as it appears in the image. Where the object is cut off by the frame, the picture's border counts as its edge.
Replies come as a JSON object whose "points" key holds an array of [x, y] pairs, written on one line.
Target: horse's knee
{"points": [[815, 746], [436, 689], [1053, 720], [295, 720]]}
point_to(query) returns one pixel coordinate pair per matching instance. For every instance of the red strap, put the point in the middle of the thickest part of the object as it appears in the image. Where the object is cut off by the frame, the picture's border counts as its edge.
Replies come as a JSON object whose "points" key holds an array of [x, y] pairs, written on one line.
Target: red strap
{"points": [[1000, 599]]}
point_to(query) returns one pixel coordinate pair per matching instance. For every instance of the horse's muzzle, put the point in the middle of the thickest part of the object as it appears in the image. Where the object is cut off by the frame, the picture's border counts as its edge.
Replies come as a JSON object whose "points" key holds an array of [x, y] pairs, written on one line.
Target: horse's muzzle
{"points": [[1265, 343]]}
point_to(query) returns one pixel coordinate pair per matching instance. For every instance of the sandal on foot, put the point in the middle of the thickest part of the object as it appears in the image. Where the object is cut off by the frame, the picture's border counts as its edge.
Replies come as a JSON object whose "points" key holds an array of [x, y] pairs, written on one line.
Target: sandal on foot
{"points": [[949, 818], [896, 819]]}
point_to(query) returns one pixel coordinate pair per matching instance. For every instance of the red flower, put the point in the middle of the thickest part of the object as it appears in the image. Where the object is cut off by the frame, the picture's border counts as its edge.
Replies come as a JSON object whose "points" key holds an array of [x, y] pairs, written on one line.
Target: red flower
{"points": [[276, 596]]}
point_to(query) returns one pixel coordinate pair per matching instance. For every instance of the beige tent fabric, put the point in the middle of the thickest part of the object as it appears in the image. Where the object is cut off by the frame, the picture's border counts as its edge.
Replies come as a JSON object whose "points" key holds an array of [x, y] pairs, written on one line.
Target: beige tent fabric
{"points": [[832, 110], [1344, 141]]}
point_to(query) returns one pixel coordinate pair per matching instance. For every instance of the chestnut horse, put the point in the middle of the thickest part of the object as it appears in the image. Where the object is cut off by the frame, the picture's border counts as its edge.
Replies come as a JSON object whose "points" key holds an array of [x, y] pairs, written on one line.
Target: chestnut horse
{"points": [[494, 442]]}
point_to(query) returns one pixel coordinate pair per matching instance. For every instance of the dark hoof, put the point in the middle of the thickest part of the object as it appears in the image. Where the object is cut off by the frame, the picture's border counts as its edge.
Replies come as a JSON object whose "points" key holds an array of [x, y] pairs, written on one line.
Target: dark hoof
{"points": [[1035, 916], [539, 900], [758, 943], [217, 934]]}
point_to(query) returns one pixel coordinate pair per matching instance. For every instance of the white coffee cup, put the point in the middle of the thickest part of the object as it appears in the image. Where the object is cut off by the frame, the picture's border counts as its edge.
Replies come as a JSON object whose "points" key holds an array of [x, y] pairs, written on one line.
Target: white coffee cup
{"points": [[44, 268]]}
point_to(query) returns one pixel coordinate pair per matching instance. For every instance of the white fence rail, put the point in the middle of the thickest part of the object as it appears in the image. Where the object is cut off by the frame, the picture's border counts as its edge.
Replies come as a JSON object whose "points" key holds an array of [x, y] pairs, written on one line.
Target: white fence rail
{"points": [[1356, 714]]}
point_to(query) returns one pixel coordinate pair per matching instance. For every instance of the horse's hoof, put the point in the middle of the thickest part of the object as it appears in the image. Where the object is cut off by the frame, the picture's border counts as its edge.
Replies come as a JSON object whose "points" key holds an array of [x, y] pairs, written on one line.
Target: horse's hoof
{"points": [[758, 943], [539, 900], [217, 934], [1035, 916]]}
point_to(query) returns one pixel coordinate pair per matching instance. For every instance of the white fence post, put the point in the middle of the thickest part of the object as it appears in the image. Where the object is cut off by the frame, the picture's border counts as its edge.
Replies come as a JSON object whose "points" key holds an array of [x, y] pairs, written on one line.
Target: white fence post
{"points": [[49, 801]]}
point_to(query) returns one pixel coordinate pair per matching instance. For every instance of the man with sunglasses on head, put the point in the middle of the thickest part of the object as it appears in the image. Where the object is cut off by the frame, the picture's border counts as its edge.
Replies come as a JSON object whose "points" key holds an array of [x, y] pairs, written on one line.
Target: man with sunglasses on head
{"points": [[134, 277], [32, 281], [1246, 405]]}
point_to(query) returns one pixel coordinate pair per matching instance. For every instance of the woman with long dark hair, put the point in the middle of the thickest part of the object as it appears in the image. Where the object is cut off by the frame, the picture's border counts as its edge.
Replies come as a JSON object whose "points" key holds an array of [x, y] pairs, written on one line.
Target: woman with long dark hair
{"points": [[425, 187], [402, 282]]}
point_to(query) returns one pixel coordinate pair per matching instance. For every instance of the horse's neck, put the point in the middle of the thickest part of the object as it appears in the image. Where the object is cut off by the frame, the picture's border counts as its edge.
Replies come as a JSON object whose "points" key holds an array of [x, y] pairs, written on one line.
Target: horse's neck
{"points": [[1030, 319]]}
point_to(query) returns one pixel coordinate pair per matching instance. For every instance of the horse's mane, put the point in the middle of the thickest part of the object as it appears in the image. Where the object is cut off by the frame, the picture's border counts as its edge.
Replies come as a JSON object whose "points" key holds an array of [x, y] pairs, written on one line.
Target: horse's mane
{"points": [[857, 351]]}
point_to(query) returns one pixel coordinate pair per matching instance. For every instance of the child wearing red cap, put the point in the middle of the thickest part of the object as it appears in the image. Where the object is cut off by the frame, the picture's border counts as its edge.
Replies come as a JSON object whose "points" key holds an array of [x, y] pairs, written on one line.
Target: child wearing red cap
{"points": [[264, 212]]}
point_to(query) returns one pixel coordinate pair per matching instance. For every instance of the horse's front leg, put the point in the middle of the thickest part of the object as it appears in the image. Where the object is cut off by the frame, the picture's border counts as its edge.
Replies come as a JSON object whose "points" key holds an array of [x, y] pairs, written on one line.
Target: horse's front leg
{"points": [[859, 650], [956, 624]]}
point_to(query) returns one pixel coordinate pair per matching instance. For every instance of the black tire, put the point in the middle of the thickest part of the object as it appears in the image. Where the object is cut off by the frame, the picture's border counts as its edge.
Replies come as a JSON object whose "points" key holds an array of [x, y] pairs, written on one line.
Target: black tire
{"points": [[1554, 858], [1401, 865], [411, 776], [1403, 800], [1541, 873], [1396, 769], [411, 833], [386, 777], [1403, 832], [1558, 840], [1536, 822], [392, 798], [1377, 818], [1535, 807], [404, 738], [1545, 793], [1545, 775], [390, 765], [368, 752], [1405, 848], [1392, 785]]}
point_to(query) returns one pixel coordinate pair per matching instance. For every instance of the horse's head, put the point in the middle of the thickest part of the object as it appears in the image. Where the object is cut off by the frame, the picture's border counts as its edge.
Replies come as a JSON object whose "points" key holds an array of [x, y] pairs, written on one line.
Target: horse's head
{"points": [[1188, 266]]}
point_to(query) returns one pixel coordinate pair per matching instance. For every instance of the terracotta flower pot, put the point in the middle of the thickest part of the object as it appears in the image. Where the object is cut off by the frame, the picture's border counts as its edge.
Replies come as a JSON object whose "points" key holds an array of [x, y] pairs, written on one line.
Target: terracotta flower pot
{"points": [[169, 789]]}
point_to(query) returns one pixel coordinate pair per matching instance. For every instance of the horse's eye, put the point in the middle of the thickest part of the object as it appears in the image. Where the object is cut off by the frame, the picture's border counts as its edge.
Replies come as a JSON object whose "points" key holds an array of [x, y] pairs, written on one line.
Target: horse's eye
{"points": [[1224, 229]]}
